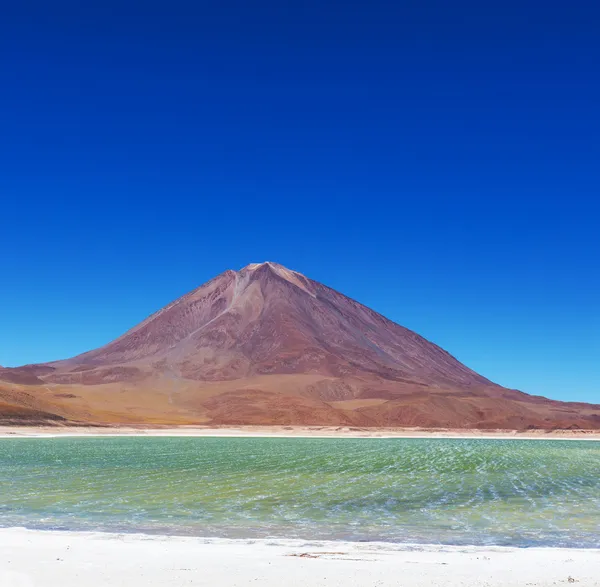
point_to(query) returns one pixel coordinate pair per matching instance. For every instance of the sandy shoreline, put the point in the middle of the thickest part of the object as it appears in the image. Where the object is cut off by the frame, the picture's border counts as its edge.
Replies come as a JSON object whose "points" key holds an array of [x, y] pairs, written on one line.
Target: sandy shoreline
{"points": [[31, 558], [291, 432]]}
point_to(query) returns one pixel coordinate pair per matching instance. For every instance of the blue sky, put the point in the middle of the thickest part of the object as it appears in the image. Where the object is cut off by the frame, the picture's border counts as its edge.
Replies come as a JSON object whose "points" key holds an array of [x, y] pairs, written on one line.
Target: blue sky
{"points": [[438, 162]]}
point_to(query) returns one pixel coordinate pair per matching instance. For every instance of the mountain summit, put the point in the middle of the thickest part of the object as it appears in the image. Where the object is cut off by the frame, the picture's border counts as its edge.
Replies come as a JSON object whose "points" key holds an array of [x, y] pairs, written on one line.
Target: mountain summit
{"points": [[268, 345], [267, 319]]}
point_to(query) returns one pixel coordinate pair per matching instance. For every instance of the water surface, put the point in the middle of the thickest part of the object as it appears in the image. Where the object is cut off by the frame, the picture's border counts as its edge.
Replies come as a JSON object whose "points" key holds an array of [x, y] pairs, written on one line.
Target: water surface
{"points": [[504, 492]]}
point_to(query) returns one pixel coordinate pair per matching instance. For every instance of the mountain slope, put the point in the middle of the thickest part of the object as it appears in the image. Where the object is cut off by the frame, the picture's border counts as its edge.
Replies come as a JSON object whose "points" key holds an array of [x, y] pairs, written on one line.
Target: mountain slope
{"points": [[268, 345]]}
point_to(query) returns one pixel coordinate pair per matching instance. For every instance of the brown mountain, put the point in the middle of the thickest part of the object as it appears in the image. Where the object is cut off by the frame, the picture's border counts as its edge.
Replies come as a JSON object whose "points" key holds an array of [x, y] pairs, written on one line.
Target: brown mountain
{"points": [[267, 345]]}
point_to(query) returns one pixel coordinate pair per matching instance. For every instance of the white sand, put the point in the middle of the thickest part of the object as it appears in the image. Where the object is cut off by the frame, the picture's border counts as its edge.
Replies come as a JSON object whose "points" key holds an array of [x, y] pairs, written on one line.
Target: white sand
{"points": [[292, 432], [31, 558]]}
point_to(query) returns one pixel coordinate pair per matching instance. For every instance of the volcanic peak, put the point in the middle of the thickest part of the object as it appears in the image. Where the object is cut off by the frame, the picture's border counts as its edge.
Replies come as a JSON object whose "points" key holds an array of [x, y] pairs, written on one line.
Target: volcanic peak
{"points": [[293, 277], [267, 345]]}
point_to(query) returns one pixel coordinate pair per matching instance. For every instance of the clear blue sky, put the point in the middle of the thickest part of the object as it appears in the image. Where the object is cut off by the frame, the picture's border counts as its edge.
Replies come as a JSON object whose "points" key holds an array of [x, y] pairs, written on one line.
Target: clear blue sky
{"points": [[437, 161]]}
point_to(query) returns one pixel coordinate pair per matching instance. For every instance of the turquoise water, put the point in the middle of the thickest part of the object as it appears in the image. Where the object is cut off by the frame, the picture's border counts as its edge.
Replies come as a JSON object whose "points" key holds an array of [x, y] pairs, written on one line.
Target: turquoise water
{"points": [[503, 492]]}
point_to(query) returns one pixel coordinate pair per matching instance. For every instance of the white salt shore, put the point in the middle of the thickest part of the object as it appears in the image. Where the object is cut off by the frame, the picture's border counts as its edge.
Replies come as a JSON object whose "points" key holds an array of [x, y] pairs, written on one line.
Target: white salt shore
{"points": [[291, 432], [31, 558]]}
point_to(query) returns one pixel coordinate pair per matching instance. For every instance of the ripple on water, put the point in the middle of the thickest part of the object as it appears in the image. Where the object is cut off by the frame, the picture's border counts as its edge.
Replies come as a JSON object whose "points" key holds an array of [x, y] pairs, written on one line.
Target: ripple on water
{"points": [[409, 490]]}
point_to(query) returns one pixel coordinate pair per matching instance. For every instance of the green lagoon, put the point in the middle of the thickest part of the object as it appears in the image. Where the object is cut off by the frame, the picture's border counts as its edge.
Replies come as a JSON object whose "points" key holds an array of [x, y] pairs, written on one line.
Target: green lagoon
{"points": [[481, 492]]}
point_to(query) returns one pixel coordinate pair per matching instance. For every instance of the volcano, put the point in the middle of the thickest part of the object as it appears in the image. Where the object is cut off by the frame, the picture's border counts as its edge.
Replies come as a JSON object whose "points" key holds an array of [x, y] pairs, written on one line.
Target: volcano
{"points": [[267, 345]]}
